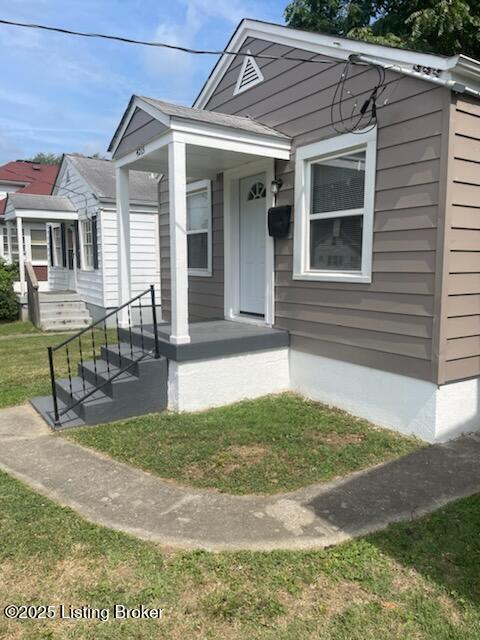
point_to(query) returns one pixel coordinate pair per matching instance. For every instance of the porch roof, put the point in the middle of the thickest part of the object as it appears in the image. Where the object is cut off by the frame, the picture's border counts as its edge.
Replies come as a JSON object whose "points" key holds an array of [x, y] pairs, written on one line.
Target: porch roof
{"points": [[39, 207], [215, 141]]}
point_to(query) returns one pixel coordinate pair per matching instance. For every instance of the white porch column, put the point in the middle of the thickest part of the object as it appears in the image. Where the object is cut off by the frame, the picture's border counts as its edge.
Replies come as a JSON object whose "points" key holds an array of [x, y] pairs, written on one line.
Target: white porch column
{"points": [[9, 244], [177, 189], [123, 243], [21, 256]]}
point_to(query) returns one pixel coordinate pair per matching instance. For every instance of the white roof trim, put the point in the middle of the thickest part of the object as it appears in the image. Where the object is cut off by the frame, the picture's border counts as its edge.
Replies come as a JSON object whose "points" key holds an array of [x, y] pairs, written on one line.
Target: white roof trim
{"points": [[136, 102], [454, 68], [43, 215]]}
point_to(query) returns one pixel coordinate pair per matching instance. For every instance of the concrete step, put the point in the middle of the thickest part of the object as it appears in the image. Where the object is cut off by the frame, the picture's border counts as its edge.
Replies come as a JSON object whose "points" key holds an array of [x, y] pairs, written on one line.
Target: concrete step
{"points": [[70, 324], [77, 304], [53, 296], [59, 314], [100, 407], [142, 368], [101, 372]]}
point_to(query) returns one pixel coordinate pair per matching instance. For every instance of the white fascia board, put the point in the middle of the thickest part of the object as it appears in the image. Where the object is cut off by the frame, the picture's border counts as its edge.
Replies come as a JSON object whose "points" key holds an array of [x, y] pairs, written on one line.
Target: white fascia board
{"points": [[215, 137], [144, 106], [60, 174], [132, 157], [46, 216], [328, 46]]}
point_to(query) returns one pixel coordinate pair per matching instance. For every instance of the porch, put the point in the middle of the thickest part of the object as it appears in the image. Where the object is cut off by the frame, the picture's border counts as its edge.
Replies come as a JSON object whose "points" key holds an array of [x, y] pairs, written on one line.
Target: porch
{"points": [[208, 340], [228, 163], [27, 217]]}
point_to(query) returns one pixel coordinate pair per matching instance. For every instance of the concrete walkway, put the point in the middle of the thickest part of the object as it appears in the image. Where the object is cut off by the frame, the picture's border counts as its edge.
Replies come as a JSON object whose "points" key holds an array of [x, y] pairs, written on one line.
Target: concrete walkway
{"points": [[118, 496]]}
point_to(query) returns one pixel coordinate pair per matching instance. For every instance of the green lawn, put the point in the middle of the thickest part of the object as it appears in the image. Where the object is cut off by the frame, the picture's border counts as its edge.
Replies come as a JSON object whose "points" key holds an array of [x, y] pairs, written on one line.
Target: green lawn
{"points": [[17, 328], [415, 581], [273, 444]]}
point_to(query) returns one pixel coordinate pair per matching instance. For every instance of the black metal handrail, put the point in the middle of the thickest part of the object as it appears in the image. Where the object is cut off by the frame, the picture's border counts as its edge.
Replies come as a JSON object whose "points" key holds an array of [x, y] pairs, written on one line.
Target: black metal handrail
{"points": [[95, 326]]}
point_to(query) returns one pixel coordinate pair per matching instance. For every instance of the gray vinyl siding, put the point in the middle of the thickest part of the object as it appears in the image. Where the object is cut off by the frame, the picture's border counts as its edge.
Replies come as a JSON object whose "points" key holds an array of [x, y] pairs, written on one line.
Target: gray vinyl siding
{"points": [[205, 293], [141, 129], [388, 324], [461, 312]]}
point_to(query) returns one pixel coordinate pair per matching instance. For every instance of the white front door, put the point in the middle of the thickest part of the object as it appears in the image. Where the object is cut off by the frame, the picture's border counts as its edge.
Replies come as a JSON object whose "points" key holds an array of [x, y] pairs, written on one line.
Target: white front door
{"points": [[252, 232]]}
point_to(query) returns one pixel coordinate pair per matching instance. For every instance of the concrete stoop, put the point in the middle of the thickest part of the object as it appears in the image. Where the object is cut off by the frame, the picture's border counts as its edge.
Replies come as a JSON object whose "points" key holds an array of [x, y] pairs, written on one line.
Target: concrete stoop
{"points": [[63, 312], [140, 389]]}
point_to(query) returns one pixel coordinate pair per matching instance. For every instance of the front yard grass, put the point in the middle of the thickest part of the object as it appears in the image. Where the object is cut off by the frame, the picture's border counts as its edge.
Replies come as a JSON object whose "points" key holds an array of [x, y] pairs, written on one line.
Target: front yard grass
{"points": [[276, 443], [17, 327], [418, 580]]}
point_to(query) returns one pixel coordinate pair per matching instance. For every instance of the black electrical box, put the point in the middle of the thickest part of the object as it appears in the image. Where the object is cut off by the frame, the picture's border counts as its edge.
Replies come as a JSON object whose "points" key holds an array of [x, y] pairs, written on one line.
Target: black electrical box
{"points": [[279, 221]]}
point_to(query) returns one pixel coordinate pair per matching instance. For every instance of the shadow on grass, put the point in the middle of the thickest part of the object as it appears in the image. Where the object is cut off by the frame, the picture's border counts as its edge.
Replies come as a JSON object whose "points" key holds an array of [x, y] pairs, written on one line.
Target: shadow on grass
{"points": [[445, 547]]}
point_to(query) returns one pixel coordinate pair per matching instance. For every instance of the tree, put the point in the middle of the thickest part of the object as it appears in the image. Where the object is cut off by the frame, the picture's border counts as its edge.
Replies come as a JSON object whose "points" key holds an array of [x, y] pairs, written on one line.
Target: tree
{"points": [[8, 299], [446, 27], [46, 158]]}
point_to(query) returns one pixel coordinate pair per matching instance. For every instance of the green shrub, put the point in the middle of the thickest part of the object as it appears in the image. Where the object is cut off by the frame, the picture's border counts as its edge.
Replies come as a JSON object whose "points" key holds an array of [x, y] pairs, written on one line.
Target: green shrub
{"points": [[8, 301]]}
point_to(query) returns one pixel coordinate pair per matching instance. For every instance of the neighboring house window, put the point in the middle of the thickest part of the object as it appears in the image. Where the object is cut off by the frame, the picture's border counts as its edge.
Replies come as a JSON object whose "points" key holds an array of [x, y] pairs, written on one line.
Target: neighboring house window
{"points": [[57, 246], [87, 244], [38, 246], [334, 199], [14, 243], [199, 223]]}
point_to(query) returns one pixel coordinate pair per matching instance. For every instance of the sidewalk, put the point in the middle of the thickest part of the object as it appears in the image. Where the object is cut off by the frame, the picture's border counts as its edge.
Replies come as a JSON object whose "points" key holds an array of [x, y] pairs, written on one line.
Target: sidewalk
{"points": [[113, 494]]}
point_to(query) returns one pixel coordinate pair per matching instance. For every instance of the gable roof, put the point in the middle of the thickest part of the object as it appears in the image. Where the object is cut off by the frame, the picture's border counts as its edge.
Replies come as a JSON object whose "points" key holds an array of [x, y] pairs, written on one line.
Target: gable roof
{"points": [[32, 176], [100, 176], [168, 111], [457, 69]]}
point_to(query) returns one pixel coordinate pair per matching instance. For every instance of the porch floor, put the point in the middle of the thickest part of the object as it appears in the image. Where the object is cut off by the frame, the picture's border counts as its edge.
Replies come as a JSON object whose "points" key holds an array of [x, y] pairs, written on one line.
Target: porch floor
{"points": [[214, 339]]}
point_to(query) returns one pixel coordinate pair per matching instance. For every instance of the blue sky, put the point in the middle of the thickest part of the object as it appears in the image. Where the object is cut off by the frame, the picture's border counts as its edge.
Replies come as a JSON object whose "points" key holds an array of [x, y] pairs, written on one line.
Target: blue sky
{"points": [[66, 94]]}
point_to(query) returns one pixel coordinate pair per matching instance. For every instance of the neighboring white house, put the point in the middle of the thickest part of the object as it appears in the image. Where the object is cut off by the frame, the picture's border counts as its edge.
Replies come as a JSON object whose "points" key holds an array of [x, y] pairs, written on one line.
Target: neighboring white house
{"points": [[91, 243], [76, 227]]}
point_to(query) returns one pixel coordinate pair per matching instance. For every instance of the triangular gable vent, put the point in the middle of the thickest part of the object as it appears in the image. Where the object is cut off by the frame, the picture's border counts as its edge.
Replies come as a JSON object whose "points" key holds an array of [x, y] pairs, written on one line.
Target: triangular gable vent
{"points": [[250, 75]]}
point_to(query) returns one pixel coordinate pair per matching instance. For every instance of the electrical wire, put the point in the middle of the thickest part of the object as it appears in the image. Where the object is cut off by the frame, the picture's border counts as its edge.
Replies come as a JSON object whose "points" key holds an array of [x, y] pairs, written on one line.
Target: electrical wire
{"points": [[365, 119], [149, 43]]}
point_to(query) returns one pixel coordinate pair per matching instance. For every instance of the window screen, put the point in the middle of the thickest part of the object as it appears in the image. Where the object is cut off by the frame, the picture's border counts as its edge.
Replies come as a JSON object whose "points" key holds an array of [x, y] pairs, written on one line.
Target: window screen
{"points": [[38, 242]]}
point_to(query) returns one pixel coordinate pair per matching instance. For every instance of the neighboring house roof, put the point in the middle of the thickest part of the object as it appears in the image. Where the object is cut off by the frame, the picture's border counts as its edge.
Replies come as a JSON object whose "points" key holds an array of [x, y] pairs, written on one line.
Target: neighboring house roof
{"points": [[31, 202], [31, 176], [179, 112], [457, 70], [100, 176]]}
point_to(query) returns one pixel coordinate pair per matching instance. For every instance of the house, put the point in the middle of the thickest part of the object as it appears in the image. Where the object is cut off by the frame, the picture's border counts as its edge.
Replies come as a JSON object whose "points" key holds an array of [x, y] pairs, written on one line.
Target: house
{"points": [[23, 177], [370, 299], [89, 183], [78, 227]]}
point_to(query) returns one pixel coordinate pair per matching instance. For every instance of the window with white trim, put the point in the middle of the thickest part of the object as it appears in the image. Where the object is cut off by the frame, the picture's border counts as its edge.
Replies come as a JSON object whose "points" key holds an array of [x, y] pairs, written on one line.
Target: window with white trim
{"points": [[334, 200], [87, 244], [38, 246], [57, 245], [199, 228]]}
